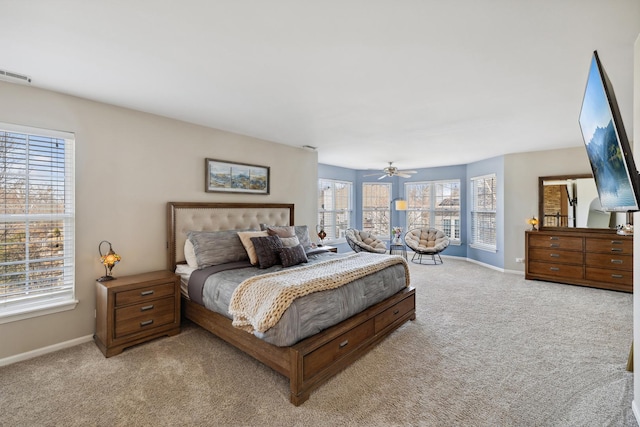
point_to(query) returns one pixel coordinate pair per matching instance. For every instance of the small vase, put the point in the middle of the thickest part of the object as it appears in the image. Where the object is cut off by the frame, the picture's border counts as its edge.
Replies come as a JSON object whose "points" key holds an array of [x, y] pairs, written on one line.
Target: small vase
{"points": [[396, 240]]}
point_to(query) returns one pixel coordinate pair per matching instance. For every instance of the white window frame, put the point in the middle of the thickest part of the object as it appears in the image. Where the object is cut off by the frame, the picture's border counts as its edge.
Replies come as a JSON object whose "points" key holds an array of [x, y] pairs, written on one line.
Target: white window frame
{"points": [[432, 209], [61, 294], [381, 212], [484, 237], [334, 221]]}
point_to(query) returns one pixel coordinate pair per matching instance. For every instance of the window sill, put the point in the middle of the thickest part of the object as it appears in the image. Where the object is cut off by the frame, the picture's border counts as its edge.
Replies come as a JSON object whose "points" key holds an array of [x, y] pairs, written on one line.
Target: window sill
{"points": [[485, 248], [22, 313]]}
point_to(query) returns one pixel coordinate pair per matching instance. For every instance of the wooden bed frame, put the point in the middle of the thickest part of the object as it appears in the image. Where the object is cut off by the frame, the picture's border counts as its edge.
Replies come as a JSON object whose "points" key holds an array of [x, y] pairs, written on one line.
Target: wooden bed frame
{"points": [[312, 361]]}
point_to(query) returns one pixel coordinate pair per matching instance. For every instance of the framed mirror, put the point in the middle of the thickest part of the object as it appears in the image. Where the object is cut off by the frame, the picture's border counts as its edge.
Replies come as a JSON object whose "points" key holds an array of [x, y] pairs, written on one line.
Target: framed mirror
{"points": [[571, 202]]}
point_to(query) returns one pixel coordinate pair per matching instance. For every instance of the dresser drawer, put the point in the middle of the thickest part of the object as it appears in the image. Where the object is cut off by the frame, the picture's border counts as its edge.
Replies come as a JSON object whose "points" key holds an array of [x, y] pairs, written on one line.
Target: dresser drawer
{"points": [[611, 276], [144, 294], [555, 270], [611, 261], [554, 255], [555, 242], [336, 348], [394, 313], [144, 316], [610, 246]]}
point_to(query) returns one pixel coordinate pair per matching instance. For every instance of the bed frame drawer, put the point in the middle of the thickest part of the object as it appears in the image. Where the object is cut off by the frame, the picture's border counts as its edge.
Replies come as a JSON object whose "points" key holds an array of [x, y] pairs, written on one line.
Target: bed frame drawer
{"points": [[394, 313], [335, 349]]}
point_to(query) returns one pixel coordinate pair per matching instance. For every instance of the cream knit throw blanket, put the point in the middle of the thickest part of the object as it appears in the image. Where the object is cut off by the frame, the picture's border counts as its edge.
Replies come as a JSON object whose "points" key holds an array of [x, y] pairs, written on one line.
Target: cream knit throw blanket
{"points": [[258, 303]]}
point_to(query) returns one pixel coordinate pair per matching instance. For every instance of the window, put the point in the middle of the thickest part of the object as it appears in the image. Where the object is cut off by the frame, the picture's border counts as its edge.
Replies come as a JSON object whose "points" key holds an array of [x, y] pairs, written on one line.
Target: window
{"points": [[334, 207], [37, 212], [376, 199], [483, 212], [434, 204]]}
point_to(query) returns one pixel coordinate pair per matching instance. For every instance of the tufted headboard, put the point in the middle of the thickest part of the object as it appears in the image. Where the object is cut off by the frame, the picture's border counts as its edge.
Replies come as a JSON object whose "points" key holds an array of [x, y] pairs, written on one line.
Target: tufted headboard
{"points": [[183, 217]]}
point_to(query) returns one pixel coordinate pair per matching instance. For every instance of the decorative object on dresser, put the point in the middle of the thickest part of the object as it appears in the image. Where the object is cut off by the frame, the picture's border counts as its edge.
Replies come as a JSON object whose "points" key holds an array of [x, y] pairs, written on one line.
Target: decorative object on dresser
{"points": [[135, 309], [586, 257], [311, 361], [533, 222], [230, 177], [109, 260]]}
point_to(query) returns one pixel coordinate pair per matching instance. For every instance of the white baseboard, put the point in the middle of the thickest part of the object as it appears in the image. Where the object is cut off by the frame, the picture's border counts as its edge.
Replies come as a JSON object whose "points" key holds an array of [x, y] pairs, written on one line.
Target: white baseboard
{"points": [[44, 350], [634, 408]]}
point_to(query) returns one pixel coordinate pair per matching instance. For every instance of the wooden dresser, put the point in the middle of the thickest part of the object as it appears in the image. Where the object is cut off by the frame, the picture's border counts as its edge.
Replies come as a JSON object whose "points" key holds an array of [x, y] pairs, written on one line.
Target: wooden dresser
{"points": [[600, 259], [134, 309]]}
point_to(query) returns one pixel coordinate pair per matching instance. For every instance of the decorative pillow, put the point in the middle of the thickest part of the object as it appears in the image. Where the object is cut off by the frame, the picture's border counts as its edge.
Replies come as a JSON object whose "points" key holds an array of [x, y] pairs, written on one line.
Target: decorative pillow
{"points": [[289, 242], [245, 238], [301, 232], [216, 247], [190, 254], [293, 256], [281, 231], [267, 249]]}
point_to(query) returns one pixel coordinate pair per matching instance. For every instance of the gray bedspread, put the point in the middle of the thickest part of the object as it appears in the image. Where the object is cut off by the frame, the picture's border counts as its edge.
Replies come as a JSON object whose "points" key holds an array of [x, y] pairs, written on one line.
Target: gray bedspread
{"points": [[312, 313]]}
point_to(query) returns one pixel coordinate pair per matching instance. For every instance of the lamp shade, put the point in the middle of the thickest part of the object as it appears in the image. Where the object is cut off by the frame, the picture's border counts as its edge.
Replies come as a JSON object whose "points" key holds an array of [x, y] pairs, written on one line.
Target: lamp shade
{"points": [[401, 205]]}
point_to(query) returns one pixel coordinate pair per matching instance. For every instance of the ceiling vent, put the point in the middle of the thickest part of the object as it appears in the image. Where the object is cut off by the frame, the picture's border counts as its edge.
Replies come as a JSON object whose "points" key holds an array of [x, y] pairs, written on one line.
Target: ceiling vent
{"points": [[12, 77]]}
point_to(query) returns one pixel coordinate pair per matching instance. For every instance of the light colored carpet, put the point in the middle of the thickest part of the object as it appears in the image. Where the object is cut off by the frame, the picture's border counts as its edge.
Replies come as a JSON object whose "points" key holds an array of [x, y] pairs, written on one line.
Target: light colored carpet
{"points": [[486, 349]]}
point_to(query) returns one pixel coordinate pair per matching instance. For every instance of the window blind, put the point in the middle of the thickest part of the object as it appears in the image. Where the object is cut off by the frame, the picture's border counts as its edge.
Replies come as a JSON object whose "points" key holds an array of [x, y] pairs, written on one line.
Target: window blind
{"points": [[376, 199], [334, 207], [37, 219], [483, 213]]}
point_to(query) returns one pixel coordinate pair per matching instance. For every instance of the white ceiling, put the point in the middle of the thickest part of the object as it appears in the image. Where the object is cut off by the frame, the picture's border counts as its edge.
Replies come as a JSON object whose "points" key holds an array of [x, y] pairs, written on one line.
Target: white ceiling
{"points": [[422, 83]]}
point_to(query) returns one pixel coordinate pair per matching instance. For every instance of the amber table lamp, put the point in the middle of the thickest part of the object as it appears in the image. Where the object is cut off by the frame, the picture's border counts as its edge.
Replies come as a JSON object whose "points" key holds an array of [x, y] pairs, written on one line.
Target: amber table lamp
{"points": [[109, 260]]}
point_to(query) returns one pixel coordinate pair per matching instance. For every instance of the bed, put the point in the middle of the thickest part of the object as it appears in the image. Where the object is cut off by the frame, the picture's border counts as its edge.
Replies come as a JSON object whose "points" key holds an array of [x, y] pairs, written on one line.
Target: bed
{"points": [[307, 363]]}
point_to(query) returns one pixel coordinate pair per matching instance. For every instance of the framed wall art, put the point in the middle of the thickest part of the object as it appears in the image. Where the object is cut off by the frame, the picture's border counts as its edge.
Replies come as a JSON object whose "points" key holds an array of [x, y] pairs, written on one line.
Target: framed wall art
{"points": [[222, 176]]}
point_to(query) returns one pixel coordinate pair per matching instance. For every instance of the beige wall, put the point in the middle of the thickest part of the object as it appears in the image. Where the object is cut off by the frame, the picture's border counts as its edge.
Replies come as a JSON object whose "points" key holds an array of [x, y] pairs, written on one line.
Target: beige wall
{"points": [[521, 173], [128, 165]]}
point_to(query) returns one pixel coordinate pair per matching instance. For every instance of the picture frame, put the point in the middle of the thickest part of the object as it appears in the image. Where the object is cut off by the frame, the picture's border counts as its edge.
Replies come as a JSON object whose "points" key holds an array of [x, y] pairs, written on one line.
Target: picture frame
{"points": [[222, 176]]}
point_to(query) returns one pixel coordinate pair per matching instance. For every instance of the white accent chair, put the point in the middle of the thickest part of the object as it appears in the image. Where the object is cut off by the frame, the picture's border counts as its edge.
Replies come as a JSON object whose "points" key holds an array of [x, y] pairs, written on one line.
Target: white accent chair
{"points": [[426, 241], [363, 241]]}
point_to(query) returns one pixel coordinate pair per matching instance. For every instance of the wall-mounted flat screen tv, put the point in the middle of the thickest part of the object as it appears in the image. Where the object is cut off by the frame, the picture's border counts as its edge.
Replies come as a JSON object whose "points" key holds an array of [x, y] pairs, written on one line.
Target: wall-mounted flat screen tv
{"points": [[607, 145]]}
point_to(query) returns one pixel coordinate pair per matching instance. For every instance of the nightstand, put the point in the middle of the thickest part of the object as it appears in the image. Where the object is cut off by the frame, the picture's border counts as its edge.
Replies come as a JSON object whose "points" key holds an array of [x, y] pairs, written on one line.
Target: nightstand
{"points": [[398, 249], [134, 309]]}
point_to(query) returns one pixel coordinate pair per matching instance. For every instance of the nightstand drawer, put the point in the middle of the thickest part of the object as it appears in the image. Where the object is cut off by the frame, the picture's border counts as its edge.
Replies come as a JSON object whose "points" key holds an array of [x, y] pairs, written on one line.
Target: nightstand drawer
{"points": [[144, 316], [144, 294]]}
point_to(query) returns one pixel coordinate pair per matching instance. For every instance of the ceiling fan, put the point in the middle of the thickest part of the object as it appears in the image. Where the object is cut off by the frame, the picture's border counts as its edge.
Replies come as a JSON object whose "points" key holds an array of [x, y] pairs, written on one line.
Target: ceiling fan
{"points": [[394, 171]]}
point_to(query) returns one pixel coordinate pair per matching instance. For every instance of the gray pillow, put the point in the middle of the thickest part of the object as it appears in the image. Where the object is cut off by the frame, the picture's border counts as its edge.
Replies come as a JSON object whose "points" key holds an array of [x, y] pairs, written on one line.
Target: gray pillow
{"points": [[217, 247], [267, 249], [301, 231], [293, 256]]}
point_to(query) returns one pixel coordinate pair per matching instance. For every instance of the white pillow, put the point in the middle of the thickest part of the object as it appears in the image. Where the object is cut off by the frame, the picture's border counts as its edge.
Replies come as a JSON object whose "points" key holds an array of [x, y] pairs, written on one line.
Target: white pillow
{"points": [[190, 254], [245, 238]]}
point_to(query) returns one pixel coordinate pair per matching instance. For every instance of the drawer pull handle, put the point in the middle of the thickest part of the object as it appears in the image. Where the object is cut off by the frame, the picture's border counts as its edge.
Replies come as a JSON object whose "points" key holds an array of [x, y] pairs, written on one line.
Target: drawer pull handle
{"points": [[554, 238], [616, 261], [396, 312], [146, 322], [616, 276], [554, 245], [616, 242], [616, 249], [554, 255], [145, 293], [150, 307], [344, 343], [554, 269]]}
